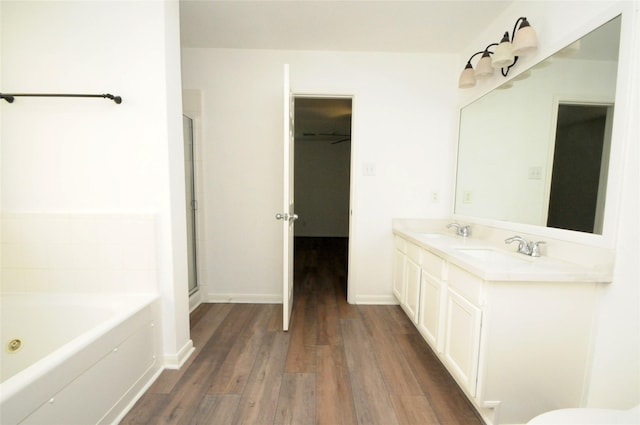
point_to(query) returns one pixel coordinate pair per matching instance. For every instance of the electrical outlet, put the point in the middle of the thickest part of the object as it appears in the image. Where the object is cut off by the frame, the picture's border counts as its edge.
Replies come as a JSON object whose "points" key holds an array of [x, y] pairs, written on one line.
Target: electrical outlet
{"points": [[435, 197]]}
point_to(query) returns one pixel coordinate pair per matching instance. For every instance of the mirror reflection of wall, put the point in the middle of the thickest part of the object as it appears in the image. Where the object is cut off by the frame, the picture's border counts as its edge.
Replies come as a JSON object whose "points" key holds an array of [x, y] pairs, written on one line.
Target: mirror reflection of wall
{"points": [[507, 137]]}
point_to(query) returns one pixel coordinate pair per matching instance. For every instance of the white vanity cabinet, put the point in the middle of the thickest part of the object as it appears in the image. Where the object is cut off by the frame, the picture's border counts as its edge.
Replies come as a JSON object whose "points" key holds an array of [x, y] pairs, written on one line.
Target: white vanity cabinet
{"points": [[433, 291], [462, 327], [407, 273], [517, 348], [413, 272], [450, 317]]}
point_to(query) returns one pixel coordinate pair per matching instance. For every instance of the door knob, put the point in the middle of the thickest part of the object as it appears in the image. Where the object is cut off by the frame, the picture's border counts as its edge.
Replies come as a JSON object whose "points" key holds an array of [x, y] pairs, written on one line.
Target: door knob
{"points": [[286, 217]]}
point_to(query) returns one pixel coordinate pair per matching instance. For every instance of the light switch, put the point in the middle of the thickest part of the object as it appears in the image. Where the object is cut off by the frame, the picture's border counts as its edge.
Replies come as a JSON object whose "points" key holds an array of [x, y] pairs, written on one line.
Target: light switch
{"points": [[467, 197]]}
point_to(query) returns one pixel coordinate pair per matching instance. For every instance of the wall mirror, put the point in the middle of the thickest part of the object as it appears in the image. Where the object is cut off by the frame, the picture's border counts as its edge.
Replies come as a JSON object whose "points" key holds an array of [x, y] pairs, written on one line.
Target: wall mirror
{"points": [[535, 150]]}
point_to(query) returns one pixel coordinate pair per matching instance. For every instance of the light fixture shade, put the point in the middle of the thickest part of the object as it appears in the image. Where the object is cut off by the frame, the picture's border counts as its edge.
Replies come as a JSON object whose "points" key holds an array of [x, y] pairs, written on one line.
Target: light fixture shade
{"points": [[570, 50], [525, 39], [484, 68], [467, 79], [503, 55], [505, 86], [523, 75]]}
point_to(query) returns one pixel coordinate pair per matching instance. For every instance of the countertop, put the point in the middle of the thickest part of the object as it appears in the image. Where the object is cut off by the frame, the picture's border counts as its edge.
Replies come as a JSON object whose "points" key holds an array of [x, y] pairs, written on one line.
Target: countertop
{"points": [[500, 263]]}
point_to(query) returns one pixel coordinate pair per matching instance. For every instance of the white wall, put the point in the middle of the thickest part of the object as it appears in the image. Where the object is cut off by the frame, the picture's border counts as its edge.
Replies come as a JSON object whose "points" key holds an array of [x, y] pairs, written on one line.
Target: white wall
{"points": [[616, 370], [404, 118], [615, 373], [83, 157]]}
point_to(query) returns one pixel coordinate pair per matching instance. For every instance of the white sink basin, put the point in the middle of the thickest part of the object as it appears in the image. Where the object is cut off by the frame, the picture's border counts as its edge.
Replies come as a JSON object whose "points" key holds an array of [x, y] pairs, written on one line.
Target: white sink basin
{"points": [[428, 235], [491, 256]]}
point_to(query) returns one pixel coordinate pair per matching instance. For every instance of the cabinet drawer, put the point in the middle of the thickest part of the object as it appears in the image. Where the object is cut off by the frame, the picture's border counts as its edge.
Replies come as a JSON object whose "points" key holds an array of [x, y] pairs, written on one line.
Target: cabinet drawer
{"points": [[434, 265], [466, 284], [414, 252]]}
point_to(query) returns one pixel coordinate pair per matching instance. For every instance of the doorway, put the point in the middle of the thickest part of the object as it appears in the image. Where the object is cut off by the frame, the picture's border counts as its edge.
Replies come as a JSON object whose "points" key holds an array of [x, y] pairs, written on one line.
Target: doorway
{"points": [[322, 183], [580, 167]]}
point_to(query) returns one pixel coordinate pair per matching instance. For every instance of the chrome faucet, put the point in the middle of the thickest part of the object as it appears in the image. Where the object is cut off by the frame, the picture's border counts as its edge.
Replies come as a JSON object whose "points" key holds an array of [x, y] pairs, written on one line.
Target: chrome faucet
{"points": [[535, 248], [463, 231], [530, 248]]}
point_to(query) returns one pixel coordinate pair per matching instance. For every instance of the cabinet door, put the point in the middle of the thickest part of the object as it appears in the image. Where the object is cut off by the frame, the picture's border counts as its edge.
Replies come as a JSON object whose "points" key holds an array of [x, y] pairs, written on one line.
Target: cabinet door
{"points": [[432, 302], [462, 340], [398, 274], [412, 289]]}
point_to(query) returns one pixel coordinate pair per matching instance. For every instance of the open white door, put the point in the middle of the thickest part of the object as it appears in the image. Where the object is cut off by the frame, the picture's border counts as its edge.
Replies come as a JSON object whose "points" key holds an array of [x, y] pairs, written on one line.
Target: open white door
{"points": [[287, 215]]}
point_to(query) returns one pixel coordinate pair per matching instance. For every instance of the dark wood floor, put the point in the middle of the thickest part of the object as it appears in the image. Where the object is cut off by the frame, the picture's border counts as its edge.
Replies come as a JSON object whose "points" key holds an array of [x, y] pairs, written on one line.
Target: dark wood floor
{"points": [[338, 364]]}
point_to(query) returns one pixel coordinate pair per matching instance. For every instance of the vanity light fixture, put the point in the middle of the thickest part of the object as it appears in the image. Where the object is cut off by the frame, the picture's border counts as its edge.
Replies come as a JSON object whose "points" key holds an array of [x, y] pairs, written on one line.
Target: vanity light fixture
{"points": [[483, 70], [505, 55]]}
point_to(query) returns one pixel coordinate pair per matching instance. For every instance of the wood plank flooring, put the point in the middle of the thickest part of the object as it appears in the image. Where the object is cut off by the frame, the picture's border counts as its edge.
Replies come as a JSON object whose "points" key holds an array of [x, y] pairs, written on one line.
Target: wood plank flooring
{"points": [[339, 364]]}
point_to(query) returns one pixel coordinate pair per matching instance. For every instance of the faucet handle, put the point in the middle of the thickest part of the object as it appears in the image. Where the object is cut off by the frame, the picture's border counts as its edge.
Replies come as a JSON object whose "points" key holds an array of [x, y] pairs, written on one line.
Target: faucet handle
{"points": [[523, 245], [535, 248], [463, 231]]}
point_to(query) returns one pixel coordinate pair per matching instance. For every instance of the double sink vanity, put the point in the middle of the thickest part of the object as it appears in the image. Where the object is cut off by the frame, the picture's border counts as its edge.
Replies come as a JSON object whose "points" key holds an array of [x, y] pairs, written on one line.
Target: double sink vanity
{"points": [[514, 330], [509, 304]]}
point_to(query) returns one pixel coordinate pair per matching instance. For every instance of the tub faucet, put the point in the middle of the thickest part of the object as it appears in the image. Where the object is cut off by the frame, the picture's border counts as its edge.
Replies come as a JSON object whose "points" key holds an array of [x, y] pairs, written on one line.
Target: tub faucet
{"points": [[531, 249], [463, 231]]}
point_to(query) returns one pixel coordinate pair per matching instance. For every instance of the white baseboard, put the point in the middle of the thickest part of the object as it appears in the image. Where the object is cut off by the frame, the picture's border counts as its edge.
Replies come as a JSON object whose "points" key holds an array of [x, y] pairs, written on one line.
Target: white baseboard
{"points": [[244, 298], [277, 299], [376, 299], [175, 361], [488, 410], [195, 300]]}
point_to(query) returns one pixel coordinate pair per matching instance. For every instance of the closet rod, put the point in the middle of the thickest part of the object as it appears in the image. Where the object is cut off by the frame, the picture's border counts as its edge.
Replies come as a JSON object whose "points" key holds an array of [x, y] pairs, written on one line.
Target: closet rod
{"points": [[10, 97]]}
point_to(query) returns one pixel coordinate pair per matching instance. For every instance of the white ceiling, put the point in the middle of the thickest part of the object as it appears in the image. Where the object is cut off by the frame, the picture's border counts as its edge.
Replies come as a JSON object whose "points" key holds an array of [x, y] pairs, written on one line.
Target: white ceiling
{"points": [[434, 26]]}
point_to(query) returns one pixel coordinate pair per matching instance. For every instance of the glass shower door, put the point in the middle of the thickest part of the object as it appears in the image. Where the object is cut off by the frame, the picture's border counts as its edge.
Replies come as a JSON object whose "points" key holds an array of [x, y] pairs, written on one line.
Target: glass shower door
{"points": [[192, 203]]}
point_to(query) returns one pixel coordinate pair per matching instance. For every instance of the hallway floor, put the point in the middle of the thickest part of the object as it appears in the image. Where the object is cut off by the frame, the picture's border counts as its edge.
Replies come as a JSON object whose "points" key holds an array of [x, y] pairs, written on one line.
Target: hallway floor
{"points": [[339, 364]]}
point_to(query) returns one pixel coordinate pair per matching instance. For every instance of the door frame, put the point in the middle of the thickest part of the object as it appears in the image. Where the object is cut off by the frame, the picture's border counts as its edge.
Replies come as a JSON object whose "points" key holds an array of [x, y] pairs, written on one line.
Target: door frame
{"points": [[314, 94]]}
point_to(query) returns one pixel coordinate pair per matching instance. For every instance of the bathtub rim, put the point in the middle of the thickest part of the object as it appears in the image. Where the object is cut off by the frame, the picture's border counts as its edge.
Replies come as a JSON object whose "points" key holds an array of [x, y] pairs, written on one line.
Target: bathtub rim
{"points": [[136, 302]]}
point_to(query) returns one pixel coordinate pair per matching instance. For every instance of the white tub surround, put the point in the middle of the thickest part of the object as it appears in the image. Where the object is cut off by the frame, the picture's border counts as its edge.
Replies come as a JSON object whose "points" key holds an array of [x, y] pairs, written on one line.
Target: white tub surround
{"points": [[514, 331], [78, 252]]}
